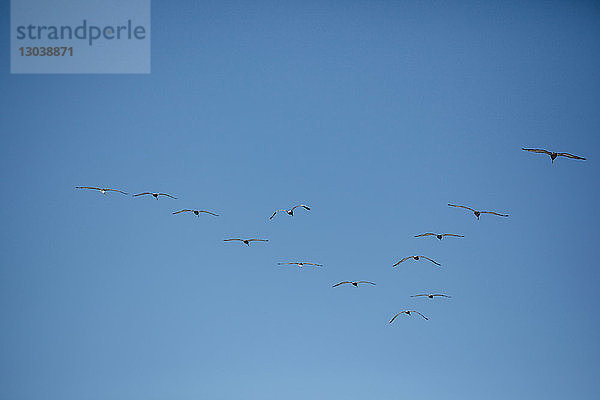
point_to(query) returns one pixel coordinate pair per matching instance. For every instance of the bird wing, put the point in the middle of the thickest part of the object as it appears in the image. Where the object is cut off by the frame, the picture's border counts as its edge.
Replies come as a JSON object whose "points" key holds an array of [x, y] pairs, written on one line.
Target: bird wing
{"points": [[288, 263], [229, 240], [87, 187], [442, 295], [166, 194], [465, 207], [257, 240], [141, 194], [301, 205], [401, 261], [419, 295], [180, 211], [452, 234], [370, 283], [392, 320], [426, 234], [271, 217], [570, 156], [419, 314], [114, 190], [538, 151], [341, 283], [208, 212], [316, 265], [435, 262], [495, 213]]}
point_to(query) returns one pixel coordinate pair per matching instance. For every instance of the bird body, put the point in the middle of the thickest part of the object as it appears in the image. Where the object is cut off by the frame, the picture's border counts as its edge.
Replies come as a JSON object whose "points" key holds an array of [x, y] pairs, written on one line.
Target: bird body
{"points": [[553, 155], [154, 194], [440, 236], [416, 258], [101, 190], [291, 210], [478, 213], [408, 312]]}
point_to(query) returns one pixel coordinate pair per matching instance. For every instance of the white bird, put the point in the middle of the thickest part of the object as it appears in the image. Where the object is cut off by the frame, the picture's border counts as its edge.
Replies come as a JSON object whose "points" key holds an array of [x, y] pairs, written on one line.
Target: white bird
{"points": [[300, 264], [291, 210], [246, 241], [102, 190], [553, 155], [155, 195], [438, 235], [407, 312], [417, 258], [197, 212], [478, 213], [430, 295], [352, 283]]}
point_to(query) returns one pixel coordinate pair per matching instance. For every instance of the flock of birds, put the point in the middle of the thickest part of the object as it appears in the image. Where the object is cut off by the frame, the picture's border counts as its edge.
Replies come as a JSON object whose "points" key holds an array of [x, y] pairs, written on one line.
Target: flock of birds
{"points": [[440, 236]]}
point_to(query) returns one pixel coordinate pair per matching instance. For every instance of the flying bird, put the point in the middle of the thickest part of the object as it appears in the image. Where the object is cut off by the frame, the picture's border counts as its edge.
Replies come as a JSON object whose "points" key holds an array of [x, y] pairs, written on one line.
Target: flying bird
{"points": [[102, 190], [417, 258], [197, 212], [438, 235], [353, 283], [430, 295], [553, 155], [291, 211], [155, 195], [300, 264], [407, 312], [246, 241], [478, 213]]}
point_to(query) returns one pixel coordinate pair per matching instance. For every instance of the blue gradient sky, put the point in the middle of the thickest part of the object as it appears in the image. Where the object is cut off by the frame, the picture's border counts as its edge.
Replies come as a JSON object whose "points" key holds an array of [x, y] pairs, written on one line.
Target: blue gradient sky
{"points": [[377, 114]]}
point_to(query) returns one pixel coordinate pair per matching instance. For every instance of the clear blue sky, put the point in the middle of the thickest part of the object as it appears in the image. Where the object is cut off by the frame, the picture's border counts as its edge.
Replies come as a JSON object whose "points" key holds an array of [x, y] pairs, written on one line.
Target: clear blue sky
{"points": [[376, 114]]}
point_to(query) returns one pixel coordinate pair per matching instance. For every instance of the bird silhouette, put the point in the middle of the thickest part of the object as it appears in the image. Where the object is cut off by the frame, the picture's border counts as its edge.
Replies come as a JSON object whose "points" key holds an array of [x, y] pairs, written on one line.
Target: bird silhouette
{"points": [[478, 213], [417, 258], [154, 194], [197, 212], [407, 312], [246, 241], [300, 264], [430, 295], [101, 190], [355, 284], [291, 210], [553, 155], [438, 235]]}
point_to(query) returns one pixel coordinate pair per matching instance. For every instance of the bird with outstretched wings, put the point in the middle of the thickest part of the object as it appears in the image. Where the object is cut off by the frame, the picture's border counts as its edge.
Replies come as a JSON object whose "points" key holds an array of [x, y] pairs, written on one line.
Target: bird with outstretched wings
{"points": [[416, 258], [553, 155], [407, 312], [291, 210], [101, 190]]}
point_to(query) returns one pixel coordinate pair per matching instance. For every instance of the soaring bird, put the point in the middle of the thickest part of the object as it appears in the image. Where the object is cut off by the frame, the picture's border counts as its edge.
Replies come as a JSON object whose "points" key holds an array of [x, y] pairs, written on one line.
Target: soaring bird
{"points": [[155, 195], [478, 213], [438, 235], [417, 258], [246, 241], [197, 212], [430, 295], [553, 155], [407, 312], [353, 283], [291, 210], [300, 264], [102, 190]]}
